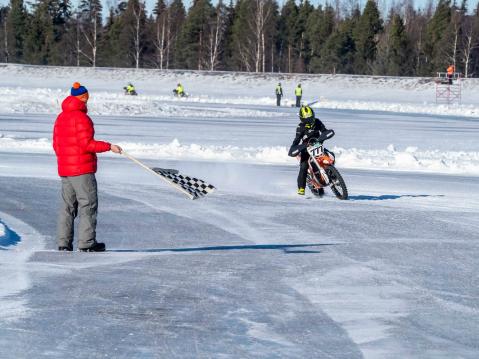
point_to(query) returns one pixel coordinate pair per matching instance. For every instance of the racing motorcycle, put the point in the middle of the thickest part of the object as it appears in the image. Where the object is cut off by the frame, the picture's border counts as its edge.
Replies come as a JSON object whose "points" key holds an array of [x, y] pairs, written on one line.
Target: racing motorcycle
{"points": [[321, 170]]}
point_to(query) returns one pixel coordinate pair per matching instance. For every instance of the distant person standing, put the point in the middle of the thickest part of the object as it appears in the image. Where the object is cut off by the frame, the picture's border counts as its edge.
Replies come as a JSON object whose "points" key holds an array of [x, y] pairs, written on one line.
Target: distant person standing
{"points": [[450, 73], [76, 151], [279, 94], [298, 91]]}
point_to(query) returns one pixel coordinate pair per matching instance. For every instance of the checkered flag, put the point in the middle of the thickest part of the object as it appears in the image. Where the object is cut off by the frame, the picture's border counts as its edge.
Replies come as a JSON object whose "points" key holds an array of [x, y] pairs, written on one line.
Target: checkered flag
{"points": [[195, 187]]}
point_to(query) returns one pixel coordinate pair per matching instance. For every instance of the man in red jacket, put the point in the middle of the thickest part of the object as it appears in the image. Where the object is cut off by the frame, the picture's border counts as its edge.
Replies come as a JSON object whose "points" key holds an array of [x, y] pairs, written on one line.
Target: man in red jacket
{"points": [[76, 149]]}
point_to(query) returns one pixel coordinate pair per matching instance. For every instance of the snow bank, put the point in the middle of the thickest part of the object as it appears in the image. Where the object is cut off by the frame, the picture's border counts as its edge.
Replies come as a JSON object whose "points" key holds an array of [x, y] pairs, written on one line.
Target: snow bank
{"points": [[424, 108], [409, 159], [40, 89], [47, 101]]}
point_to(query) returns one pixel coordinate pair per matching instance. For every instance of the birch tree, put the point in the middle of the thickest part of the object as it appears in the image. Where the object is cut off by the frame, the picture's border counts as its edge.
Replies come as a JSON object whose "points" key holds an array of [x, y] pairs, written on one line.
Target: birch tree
{"points": [[89, 25], [216, 35]]}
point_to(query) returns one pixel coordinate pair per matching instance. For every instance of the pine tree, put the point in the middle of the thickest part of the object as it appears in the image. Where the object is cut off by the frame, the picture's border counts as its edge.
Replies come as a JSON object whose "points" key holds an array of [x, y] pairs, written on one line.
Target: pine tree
{"points": [[228, 54], [177, 15], [339, 51], [40, 38], [399, 56], [4, 56], [320, 26], [365, 37], [112, 49], [191, 47], [60, 13], [436, 30], [15, 31], [302, 48], [287, 35]]}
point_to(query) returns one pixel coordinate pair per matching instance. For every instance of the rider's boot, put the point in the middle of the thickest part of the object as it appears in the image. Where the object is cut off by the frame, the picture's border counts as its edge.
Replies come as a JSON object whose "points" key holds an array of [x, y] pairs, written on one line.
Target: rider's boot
{"points": [[301, 191]]}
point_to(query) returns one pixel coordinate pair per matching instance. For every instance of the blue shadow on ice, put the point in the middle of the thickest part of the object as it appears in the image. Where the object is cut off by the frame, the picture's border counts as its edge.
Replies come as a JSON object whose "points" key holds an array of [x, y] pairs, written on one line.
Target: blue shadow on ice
{"points": [[390, 196], [9, 238], [286, 248]]}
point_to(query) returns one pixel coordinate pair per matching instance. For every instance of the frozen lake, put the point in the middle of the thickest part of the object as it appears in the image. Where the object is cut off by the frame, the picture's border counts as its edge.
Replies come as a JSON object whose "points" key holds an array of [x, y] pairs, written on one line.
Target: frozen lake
{"points": [[252, 271]]}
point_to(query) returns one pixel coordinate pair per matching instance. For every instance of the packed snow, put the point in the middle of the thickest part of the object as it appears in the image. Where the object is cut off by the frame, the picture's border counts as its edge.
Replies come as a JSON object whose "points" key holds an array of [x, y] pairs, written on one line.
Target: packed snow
{"points": [[389, 158], [252, 270]]}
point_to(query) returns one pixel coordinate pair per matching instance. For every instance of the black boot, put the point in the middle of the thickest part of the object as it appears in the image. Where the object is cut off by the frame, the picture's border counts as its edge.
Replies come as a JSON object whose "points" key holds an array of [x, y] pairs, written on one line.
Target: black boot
{"points": [[66, 249], [97, 247]]}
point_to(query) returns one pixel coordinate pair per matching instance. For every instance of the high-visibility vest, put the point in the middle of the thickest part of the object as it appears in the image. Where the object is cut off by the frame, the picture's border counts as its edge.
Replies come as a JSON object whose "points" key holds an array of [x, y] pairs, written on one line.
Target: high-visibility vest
{"points": [[298, 91], [130, 88], [279, 90], [450, 70], [179, 90]]}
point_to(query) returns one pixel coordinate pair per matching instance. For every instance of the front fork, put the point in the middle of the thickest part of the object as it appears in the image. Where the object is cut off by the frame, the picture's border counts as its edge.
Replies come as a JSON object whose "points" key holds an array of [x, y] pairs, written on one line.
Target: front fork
{"points": [[322, 172]]}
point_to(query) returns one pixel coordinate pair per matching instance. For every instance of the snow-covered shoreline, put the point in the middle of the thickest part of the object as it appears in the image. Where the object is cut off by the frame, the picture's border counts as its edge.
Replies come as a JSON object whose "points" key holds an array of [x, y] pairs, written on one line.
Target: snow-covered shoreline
{"points": [[35, 89]]}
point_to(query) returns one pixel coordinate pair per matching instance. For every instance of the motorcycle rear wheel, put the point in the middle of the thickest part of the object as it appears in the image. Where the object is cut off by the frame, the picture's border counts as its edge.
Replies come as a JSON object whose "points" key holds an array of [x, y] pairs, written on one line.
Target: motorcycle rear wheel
{"points": [[338, 186]]}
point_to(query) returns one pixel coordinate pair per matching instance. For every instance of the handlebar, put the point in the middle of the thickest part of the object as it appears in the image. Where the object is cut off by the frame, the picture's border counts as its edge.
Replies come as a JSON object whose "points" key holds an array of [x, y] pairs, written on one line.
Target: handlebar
{"points": [[296, 150], [326, 135]]}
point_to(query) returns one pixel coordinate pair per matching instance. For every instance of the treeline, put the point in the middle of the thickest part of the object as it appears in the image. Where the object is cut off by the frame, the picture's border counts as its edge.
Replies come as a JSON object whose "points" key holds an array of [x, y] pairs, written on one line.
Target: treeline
{"points": [[247, 35]]}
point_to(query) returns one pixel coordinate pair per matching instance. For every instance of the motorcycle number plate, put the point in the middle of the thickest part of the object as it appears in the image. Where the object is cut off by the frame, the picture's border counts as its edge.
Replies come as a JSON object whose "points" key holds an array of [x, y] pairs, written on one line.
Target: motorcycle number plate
{"points": [[316, 149]]}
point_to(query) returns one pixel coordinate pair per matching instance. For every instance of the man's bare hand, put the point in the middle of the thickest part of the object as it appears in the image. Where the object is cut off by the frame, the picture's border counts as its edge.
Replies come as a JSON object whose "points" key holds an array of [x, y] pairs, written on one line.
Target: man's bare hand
{"points": [[116, 149]]}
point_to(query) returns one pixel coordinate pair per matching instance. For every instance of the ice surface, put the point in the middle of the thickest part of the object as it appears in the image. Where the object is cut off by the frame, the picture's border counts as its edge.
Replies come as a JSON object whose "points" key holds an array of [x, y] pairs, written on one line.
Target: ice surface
{"points": [[252, 271]]}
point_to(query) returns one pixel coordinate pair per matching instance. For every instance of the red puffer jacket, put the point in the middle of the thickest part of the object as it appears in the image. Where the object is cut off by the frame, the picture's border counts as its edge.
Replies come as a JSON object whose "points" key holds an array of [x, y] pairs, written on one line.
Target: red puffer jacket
{"points": [[73, 140]]}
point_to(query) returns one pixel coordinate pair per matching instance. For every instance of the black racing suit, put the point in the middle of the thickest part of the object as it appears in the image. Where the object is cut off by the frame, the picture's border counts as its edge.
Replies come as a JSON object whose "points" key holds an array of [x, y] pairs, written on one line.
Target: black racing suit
{"points": [[303, 133]]}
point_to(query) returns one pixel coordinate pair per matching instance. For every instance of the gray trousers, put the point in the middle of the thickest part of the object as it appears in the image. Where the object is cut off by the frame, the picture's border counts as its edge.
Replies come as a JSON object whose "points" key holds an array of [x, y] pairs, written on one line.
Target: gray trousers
{"points": [[79, 196]]}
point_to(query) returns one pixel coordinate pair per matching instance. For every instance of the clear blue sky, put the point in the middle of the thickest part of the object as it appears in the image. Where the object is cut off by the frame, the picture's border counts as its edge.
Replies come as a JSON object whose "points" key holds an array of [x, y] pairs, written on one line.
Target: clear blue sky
{"points": [[383, 4]]}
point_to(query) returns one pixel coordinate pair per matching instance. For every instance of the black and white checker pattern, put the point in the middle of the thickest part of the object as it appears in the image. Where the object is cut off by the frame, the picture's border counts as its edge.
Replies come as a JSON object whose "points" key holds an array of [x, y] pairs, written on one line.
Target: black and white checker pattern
{"points": [[195, 187]]}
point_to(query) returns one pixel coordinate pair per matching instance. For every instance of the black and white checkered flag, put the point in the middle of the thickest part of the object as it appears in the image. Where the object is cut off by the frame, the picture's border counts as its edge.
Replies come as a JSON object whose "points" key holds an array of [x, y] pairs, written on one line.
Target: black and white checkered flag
{"points": [[195, 187]]}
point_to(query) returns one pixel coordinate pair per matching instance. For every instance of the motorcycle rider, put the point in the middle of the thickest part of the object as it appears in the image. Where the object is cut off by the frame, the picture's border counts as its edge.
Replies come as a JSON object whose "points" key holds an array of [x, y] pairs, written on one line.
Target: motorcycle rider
{"points": [[308, 128], [130, 89], [179, 90]]}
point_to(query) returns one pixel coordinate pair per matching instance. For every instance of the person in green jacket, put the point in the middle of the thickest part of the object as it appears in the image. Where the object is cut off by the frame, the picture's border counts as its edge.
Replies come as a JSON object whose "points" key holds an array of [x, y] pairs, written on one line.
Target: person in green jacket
{"points": [[279, 94], [298, 91]]}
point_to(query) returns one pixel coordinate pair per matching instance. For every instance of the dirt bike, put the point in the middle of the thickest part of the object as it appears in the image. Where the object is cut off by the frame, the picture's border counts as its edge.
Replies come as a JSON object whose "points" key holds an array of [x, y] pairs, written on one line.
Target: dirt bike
{"points": [[321, 170], [184, 94], [130, 93]]}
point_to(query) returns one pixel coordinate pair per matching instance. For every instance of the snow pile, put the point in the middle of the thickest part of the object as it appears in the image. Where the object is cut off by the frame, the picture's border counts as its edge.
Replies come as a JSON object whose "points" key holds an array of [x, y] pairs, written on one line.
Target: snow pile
{"points": [[410, 159]]}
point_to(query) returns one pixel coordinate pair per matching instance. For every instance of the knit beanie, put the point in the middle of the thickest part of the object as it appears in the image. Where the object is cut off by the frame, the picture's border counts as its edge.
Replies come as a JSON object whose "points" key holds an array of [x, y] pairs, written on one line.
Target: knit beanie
{"points": [[78, 89]]}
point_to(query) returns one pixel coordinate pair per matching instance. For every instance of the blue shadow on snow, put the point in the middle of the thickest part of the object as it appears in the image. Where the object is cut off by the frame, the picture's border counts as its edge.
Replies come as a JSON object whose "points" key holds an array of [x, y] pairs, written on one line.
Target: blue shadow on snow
{"points": [[390, 196], [9, 238], [286, 248]]}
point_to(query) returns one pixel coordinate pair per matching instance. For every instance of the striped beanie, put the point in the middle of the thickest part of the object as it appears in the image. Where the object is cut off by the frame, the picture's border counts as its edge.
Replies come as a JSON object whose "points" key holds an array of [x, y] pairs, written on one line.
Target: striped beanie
{"points": [[78, 89]]}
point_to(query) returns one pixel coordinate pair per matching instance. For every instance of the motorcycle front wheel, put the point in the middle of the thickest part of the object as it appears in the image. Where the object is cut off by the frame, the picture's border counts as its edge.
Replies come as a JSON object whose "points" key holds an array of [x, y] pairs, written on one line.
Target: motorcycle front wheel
{"points": [[318, 192], [338, 186]]}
